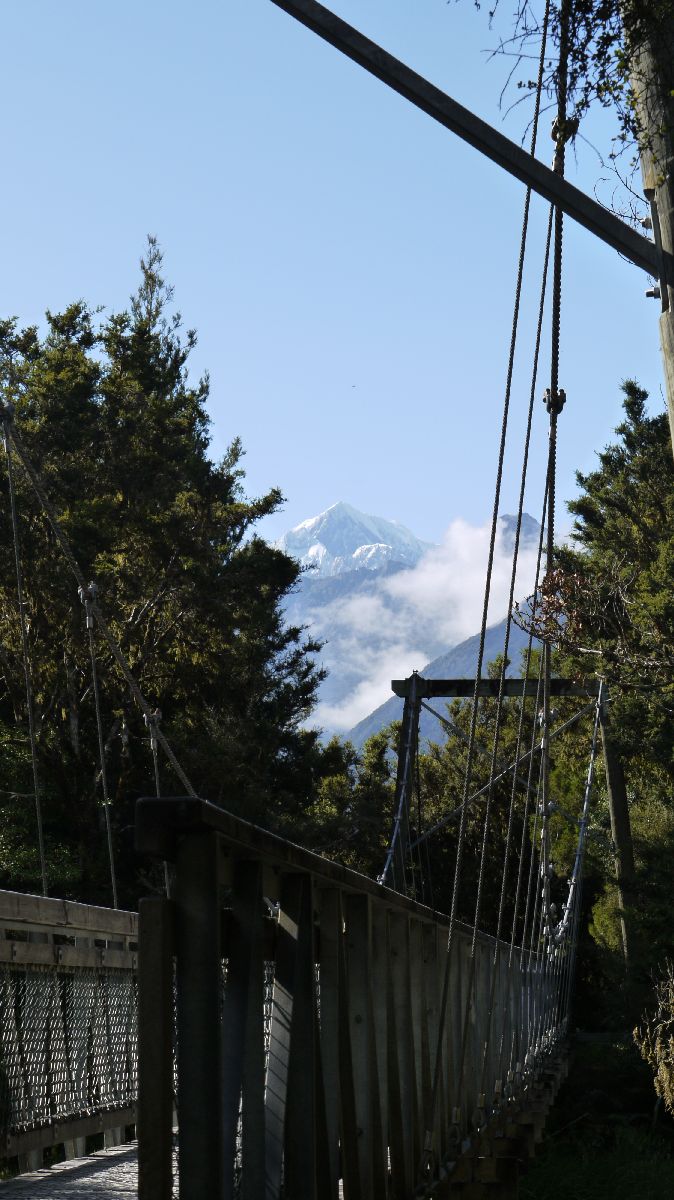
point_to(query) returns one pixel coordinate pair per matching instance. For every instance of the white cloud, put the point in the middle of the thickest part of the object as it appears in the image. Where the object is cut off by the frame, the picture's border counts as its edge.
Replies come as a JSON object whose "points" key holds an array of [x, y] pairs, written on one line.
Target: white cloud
{"points": [[414, 615], [366, 696]]}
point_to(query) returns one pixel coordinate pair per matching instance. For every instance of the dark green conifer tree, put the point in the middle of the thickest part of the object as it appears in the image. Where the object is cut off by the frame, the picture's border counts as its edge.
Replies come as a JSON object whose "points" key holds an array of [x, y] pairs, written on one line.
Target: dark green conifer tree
{"points": [[119, 433]]}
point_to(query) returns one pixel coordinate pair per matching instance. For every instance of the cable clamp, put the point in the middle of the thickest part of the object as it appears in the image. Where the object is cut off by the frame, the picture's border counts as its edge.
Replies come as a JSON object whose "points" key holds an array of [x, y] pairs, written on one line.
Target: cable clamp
{"points": [[554, 402], [88, 597], [563, 130], [152, 721]]}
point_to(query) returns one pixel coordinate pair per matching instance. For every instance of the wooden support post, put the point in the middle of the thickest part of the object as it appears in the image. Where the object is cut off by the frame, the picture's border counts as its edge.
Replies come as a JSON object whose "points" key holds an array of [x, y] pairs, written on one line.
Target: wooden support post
{"points": [[304, 1109], [155, 1049], [401, 1057], [333, 999], [621, 832], [199, 982], [364, 1048], [30, 1160], [349, 1129], [378, 973], [651, 56], [77, 1147], [282, 1000], [243, 1046], [418, 1017], [430, 991]]}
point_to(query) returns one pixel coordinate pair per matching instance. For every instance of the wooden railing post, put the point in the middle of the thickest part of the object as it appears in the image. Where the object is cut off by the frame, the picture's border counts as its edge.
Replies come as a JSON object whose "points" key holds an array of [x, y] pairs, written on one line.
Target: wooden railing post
{"points": [[199, 989], [155, 1049], [401, 1050], [243, 1043], [364, 1048], [336, 1077]]}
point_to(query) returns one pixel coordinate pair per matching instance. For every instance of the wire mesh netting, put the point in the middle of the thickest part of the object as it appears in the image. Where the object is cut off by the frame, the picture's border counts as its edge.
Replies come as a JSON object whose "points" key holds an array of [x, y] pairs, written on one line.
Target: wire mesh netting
{"points": [[68, 1044]]}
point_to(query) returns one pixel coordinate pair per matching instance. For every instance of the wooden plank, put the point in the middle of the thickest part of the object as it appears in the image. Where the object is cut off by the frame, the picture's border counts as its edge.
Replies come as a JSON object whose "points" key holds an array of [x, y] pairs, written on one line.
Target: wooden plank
{"points": [[330, 948], [18, 910], [301, 1158], [364, 1055], [253, 1081], [61, 1131], [349, 1129], [477, 133], [242, 1033], [155, 1049], [447, 1046], [401, 1020], [199, 993], [514, 688], [485, 1025], [34, 954], [378, 972], [162, 823], [417, 1017], [276, 1087], [458, 991], [398, 1131], [429, 1034]]}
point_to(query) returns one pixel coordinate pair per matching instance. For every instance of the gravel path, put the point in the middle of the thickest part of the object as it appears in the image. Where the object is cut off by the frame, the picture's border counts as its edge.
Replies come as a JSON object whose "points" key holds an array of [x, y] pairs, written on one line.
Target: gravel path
{"points": [[107, 1175]]}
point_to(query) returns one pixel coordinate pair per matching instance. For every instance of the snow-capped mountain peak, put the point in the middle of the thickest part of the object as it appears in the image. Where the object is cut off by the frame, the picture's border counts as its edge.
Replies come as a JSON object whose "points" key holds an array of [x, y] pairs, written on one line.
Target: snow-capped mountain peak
{"points": [[342, 539]]}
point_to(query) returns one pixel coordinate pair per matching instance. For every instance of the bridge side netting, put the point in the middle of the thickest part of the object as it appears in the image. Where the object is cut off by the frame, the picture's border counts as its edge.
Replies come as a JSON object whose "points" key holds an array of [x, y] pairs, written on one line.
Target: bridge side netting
{"points": [[68, 1045]]}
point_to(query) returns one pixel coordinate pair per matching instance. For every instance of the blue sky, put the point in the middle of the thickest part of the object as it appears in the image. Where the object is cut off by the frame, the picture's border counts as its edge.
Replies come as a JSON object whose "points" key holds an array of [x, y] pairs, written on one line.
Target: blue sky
{"points": [[348, 264]]}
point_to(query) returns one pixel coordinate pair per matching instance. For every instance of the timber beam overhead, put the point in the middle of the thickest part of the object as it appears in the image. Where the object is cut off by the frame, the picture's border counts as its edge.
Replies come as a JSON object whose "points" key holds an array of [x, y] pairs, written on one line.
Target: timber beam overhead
{"points": [[483, 137], [465, 688]]}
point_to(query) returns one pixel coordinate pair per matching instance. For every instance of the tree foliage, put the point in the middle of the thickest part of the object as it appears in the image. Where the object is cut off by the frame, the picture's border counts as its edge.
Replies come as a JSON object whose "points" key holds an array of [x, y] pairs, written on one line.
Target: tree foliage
{"points": [[609, 606], [119, 434], [618, 55]]}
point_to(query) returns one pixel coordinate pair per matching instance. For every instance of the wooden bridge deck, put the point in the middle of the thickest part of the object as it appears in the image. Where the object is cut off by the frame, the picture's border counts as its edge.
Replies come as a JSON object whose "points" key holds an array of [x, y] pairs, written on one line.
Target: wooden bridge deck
{"points": [[107, 1175]]}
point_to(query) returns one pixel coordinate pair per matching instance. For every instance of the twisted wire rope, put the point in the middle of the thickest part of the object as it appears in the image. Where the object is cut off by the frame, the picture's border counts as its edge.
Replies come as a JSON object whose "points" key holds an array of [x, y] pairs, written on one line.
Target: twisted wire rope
{"points": [[511, 596], [110, 640], [7, 415], [86, 598]]}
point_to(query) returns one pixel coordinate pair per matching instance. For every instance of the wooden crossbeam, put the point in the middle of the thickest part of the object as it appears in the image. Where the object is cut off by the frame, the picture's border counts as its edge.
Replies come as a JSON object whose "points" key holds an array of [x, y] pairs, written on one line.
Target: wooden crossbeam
{"points": [[507, 154], [21, 911], [490, 687]]}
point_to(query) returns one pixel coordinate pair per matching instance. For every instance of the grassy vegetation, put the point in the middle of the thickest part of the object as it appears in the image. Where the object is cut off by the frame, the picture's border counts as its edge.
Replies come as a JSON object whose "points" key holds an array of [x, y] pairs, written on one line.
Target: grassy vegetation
{"points": [[604, 1140]]}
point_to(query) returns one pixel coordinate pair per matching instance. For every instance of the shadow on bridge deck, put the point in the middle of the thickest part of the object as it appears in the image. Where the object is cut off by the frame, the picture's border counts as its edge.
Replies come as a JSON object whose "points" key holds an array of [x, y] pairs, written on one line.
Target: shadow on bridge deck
{"points": [[106, 1175]]}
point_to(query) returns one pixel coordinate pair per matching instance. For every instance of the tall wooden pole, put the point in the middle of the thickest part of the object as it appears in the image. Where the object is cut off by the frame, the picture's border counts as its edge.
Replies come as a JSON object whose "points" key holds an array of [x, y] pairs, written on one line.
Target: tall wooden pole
{"points": [[649, 27], [621, 832]]}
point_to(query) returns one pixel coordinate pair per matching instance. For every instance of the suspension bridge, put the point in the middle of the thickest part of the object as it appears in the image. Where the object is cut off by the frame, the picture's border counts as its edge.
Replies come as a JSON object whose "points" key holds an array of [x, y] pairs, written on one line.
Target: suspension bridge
{"points": [[275, 1024]]}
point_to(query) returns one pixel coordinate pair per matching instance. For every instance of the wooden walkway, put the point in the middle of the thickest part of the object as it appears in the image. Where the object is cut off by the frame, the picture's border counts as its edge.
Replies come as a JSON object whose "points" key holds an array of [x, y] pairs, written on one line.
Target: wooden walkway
{"points": [[107, 1175]]}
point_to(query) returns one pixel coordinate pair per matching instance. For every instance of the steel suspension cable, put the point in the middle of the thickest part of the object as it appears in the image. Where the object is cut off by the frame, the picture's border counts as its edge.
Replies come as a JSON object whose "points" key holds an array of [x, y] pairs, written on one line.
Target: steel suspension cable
{"points": [[555, 400], [503, 766], [513, 793], [152, 723], [497, 729], [531, 909], [530, 789], [511, 767], [427, 1154], [88, 597], [572, 903], [7, 416], [520, 873]]}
